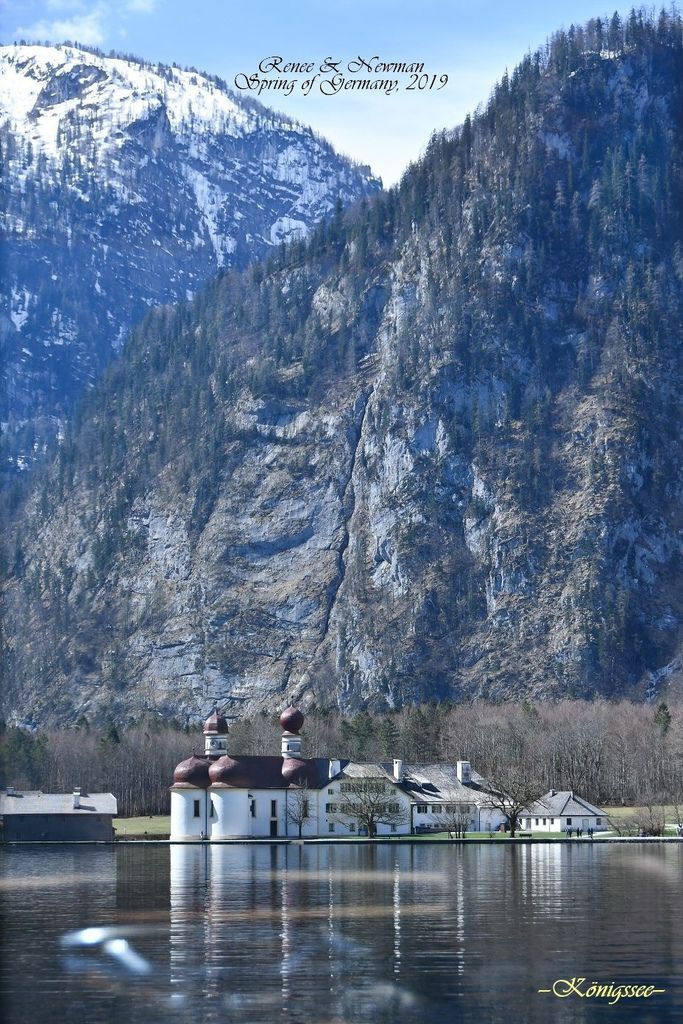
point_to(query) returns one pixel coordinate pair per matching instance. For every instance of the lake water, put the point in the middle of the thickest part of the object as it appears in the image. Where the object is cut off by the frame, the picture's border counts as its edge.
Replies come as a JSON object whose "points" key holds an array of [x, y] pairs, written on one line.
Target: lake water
{"points": [[325, 933]]}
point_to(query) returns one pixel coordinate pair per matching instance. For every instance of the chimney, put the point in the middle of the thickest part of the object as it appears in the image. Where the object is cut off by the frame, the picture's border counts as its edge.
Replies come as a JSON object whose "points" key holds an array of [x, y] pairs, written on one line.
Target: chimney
{"points": [[77, 797], [552, 792], [398, 770], [464, 772]]}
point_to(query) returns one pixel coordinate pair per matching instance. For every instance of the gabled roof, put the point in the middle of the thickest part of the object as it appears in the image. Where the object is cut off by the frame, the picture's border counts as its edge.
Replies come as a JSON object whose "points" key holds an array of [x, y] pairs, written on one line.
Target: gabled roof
{"points": [[36, 802], [435, 783], [560, 804], [439, 783], [366, 770]]}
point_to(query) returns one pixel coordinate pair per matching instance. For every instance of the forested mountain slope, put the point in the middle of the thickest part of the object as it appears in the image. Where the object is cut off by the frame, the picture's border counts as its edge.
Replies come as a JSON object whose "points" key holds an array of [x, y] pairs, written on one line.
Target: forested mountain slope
{"points": [[127, 185], [434, 452]]}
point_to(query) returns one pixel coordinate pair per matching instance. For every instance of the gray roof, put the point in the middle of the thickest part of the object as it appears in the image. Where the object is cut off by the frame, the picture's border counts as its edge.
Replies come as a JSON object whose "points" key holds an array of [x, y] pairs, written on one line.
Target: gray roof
{"points": [[366, 770], [56, 803], [428, 783], [562, 803], [439, 783]]}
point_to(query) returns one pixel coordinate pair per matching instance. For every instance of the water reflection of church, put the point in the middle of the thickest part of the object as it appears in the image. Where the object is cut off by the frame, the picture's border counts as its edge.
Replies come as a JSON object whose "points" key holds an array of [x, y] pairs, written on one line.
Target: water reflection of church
{"points": [[218, 795], [376, 932], [251, 925]]}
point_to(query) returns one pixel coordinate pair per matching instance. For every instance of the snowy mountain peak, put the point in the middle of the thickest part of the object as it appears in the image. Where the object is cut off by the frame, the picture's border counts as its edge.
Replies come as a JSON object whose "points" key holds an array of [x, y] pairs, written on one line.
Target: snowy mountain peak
{"points": [[44, 86], [126, 185]]}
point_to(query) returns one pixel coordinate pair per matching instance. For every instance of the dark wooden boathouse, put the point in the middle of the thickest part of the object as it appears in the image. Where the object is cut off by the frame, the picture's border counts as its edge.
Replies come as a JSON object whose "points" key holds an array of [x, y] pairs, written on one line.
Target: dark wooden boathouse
{"points": [[57, 817]]}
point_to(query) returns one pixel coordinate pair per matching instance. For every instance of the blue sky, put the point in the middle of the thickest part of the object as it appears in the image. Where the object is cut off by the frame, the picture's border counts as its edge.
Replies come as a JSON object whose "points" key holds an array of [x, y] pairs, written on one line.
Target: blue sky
{"points": [[471, 42]]}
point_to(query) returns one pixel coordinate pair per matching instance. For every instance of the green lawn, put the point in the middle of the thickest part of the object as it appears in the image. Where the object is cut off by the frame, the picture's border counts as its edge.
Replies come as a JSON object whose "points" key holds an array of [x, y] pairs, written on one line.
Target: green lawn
{"points": [[159, 827], [155, 827], [502, 836], [629, 812], [624, 814]]}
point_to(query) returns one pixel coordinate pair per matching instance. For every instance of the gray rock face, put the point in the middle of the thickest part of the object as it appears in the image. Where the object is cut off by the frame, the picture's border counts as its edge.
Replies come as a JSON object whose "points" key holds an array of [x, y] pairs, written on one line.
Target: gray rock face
{"points": [[127, 185], [448, 469]]}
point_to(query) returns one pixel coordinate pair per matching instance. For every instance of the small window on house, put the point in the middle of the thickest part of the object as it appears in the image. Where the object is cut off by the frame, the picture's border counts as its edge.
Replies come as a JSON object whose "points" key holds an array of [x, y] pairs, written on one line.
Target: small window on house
{"points": [[330, 827], [330, 808], [537, 821], [545, 822], [393, 828], [552, 821], [252, 808], [212, 810], [569, 821], [273, 808], [422, 808], [598, 821], [196, 808], [352, 826], [330, 792]]}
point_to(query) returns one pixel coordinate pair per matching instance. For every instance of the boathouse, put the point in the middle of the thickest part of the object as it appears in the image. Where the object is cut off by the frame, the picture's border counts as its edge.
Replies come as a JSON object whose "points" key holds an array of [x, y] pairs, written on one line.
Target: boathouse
{"points": [[57, 817]]}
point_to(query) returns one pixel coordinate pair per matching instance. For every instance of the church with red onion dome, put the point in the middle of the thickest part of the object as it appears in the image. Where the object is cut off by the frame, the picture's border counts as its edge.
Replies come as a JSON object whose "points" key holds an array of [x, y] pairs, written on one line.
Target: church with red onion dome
{"points": [[220, 796]]}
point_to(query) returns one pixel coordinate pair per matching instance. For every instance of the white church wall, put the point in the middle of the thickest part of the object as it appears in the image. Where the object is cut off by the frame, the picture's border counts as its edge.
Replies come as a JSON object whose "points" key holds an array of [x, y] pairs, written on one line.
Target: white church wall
{"points": [[258, 813], [189, 819], [231, 813]]}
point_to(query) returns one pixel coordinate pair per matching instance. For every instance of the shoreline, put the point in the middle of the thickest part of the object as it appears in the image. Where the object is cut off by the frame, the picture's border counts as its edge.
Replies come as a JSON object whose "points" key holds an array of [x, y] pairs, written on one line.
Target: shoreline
{"points": [[315, 841]]}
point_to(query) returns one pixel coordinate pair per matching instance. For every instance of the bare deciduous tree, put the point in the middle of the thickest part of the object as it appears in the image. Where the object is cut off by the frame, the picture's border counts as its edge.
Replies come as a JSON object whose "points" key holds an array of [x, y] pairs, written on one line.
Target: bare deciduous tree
{"points": [[369, 802], [511, 781], [298, 807], [455, 819]]}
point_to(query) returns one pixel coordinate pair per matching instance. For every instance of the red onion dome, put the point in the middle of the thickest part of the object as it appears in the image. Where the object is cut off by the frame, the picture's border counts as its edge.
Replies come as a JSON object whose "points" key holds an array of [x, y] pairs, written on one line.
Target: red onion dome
{"points": [[295, 772], [228, 771], [192, 772], [291, 719], [216, 725]]}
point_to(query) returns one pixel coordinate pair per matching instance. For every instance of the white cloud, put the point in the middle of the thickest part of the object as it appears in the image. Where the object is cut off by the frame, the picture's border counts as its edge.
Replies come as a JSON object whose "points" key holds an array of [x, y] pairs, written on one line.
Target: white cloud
{"points": [[141, 6], [65, 5], [83, 28], [80, 24]]}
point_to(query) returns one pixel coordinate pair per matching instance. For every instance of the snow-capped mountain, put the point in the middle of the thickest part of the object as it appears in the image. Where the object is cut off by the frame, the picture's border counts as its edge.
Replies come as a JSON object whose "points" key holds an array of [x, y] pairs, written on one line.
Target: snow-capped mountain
{"points": [[125, 185]]}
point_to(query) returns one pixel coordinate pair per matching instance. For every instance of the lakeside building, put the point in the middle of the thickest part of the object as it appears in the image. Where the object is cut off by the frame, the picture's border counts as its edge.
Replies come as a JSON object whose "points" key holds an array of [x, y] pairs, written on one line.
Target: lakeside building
{"points": [[219, 796], [57, 817], [560, 810]]}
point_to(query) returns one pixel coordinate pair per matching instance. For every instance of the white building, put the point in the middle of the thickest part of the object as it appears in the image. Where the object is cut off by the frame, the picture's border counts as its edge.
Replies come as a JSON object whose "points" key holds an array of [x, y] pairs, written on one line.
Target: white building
{"points": [[560, 811], [220, 796], [443, 793]]}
